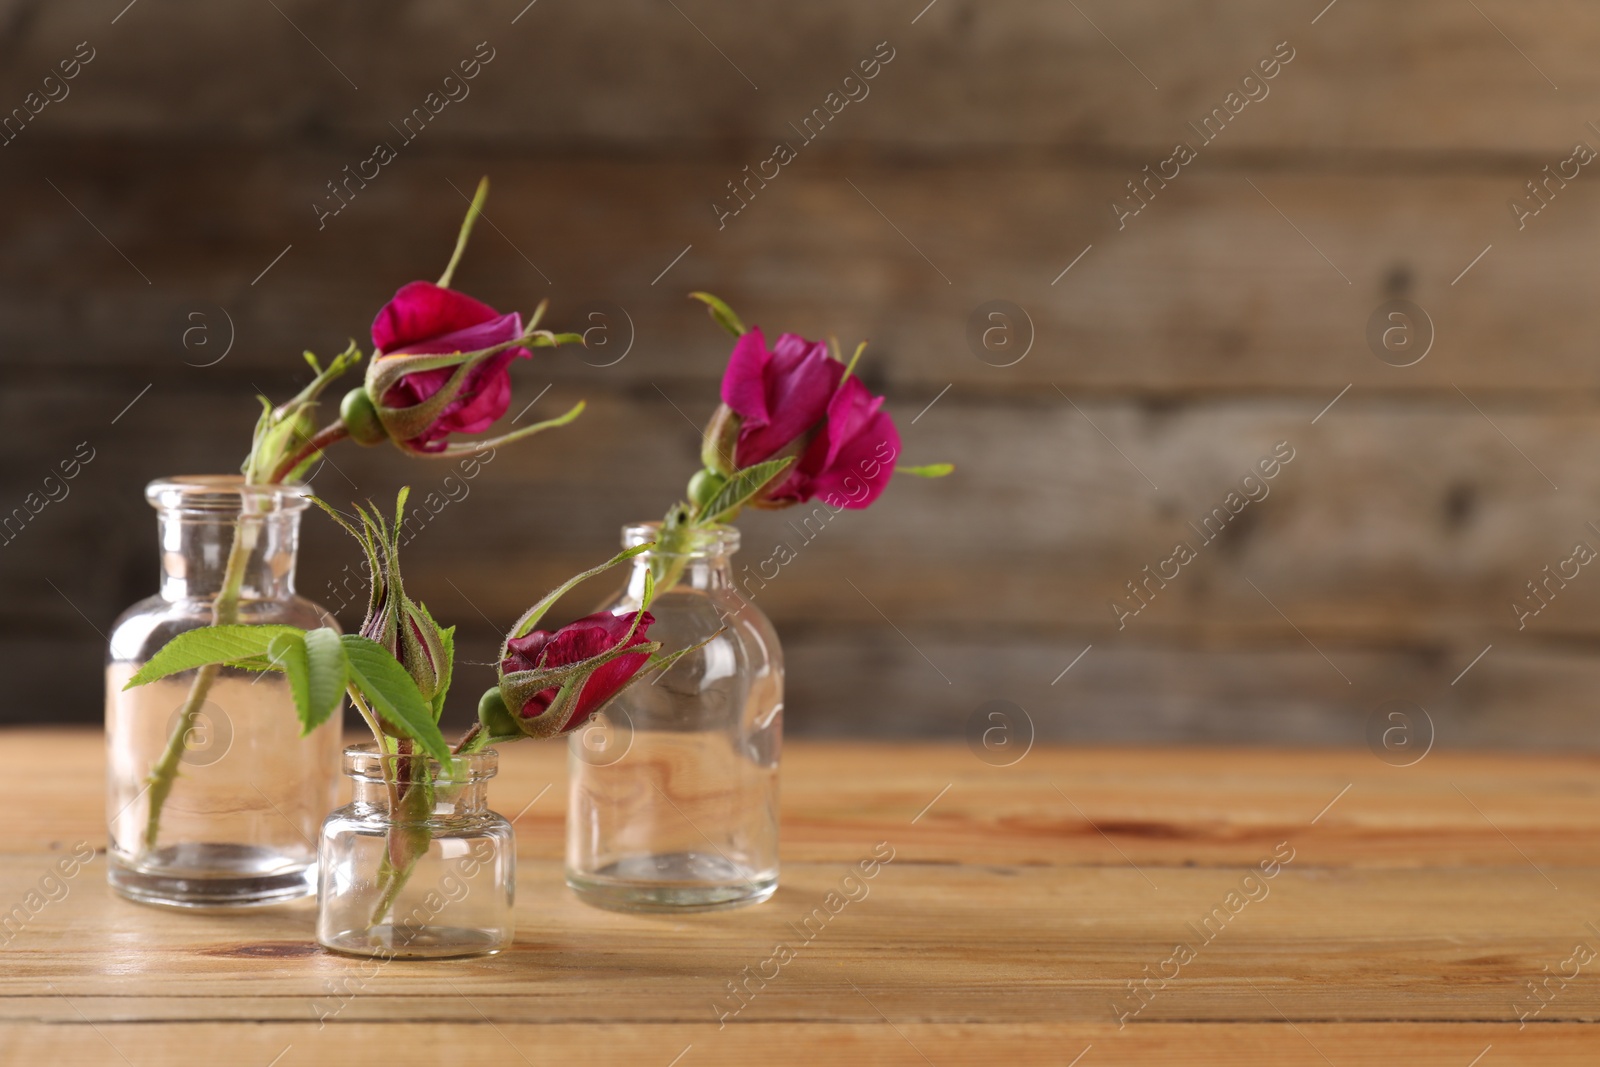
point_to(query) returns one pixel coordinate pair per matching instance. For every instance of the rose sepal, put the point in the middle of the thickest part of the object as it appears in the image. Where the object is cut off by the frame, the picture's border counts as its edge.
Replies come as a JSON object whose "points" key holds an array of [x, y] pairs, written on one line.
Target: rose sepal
{"points": [[531, 617]]}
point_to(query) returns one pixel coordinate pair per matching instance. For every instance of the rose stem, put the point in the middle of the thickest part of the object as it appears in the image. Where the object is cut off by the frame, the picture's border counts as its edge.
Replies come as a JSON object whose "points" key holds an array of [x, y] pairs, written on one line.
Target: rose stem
{"points": [[324, 437], [224, 611]]}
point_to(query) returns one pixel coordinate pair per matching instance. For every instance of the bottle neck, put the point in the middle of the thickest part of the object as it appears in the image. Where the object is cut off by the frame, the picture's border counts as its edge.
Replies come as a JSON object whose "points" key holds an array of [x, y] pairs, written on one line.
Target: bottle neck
{"points": [[197, 548], [704, 573], [460, 800], [685, 558]]}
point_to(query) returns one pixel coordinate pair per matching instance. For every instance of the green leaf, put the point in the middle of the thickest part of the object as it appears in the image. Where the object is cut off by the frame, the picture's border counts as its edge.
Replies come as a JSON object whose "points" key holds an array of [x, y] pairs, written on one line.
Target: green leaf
{"points": [[721, 313], [741, 488], [315, 664], [328, 674], [931, 470], [393, 694], [288, 652], [531, 617], [208, 644]]}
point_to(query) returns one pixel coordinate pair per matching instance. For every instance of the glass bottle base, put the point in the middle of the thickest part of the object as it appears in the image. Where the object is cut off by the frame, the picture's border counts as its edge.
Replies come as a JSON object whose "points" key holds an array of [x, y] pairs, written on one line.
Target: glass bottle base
{"points": [[671, 882], [426, 943], [206, 875]]}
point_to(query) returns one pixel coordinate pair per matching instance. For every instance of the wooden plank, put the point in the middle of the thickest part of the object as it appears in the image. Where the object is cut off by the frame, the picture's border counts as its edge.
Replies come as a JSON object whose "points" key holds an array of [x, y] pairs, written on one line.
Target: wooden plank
{"points": [[1160, 807], [1409, 909], [880, 1043], [1230, 297], [1419, 524], [1436, 76], [1397, 541], [938, 942]]}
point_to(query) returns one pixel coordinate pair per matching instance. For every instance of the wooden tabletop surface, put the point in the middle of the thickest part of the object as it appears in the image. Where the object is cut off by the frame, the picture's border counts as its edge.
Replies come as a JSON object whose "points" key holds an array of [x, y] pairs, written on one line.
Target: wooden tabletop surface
{"points": [[1084, 906]]}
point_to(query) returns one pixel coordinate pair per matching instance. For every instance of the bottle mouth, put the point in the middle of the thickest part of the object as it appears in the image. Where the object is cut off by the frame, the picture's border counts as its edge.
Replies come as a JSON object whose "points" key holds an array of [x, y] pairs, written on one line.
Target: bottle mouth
{"points": [[365, 763], [700, 543], [224, 494]]}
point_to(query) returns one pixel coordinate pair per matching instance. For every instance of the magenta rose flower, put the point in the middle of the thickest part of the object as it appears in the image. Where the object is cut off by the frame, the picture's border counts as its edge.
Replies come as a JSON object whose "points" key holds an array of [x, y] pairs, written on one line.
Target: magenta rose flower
{"points": [[426, 319], [795, 399], [577, 641], [852, 456], [780, 394]]}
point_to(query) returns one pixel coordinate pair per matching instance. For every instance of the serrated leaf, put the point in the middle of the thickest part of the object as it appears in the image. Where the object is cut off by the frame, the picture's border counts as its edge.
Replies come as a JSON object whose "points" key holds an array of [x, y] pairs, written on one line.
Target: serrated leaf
{"points": [[740, 489], [288, 653], [393, 694], [208, 644], [329, 671], [721, 313], [316, 667], [930, 470]]}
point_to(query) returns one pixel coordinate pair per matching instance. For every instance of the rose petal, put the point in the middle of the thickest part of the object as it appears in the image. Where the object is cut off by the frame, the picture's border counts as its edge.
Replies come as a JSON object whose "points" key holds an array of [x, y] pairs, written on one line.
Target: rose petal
{"points": [[486, 334], [861, 467], [421, 310], [577, 641], [743, 387], [523, 652], [798, 379]]}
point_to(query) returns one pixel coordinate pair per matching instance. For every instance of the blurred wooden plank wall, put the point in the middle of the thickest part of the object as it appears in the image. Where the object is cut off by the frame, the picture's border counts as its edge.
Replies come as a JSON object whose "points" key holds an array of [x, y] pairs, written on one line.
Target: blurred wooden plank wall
{"points": [[1179, 349]]}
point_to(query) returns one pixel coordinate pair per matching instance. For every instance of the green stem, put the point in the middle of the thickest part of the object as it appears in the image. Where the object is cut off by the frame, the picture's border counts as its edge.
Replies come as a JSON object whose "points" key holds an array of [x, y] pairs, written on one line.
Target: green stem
{"points": [[366, 713], [324, 437], [224, 610], [468, 740], [408, 836], [671, 555]]}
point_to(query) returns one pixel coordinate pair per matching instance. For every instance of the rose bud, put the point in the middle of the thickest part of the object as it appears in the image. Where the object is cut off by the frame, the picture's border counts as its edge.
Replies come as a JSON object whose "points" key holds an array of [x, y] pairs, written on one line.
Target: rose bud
{"points": [[590, 661], [441, 366], [404, 627]]}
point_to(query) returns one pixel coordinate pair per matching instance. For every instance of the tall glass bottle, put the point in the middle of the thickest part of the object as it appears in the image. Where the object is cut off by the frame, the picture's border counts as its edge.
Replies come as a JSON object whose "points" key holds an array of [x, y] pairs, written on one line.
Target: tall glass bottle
{"points": [[674, 789], [212, 796]]}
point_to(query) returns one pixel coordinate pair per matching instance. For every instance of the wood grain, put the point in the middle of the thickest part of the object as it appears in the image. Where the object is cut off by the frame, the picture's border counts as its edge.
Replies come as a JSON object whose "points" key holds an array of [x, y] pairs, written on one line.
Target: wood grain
{"points": [[1223, 318], [1435, 76], [1410, 907], [1231, 299]]}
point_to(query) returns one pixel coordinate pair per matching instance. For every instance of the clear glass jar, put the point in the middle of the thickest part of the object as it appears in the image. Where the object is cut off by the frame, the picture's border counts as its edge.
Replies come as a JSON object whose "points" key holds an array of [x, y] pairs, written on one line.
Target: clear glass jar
{"points": [[674, 789], [212, 796], [456, 863]]}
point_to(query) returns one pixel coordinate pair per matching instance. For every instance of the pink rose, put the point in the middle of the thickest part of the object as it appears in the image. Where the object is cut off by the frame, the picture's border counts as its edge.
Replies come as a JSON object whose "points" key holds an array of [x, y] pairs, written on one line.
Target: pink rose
{"points": [[794, 399], [577, 641], [425, 319]]}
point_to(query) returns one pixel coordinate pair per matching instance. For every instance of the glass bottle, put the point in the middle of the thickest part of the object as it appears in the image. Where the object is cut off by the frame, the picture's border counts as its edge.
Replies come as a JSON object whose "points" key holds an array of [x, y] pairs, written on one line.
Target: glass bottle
{"points": [[457, 880], [212, 796], [674, 789]]}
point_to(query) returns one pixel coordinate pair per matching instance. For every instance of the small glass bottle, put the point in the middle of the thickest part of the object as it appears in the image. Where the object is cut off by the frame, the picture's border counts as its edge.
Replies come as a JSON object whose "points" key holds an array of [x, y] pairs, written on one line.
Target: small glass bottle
{"points": [[212, 795], [674, 788], [456, 864]]}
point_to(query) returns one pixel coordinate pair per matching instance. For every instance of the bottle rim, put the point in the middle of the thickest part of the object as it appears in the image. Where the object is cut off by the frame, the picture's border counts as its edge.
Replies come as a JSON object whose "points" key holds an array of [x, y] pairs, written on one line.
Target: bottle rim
{"points": [[224, 494], [365, 763], [708, 541]]}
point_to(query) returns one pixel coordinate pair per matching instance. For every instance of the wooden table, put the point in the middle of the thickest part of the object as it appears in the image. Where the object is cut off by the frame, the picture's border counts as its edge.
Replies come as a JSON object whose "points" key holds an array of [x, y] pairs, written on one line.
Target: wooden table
{"points": [[1407, 911]]}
